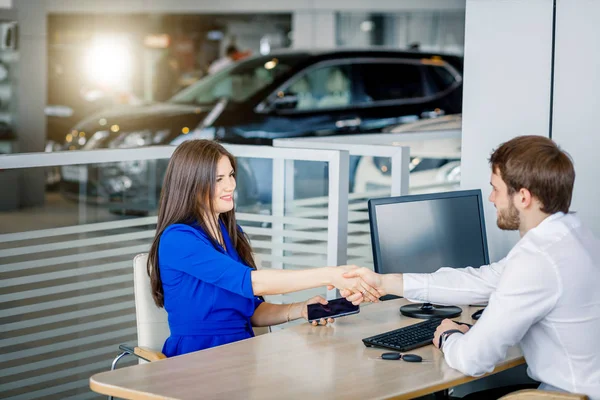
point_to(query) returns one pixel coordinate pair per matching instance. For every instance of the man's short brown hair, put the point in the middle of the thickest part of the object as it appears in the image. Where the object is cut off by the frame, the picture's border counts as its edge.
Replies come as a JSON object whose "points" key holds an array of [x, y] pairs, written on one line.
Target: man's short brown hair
{"points": [[537, 164]]}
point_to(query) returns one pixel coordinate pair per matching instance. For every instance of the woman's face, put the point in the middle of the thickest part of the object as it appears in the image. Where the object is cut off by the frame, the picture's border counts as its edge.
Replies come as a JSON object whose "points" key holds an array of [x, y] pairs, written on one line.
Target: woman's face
{"points": [[224, 186]]}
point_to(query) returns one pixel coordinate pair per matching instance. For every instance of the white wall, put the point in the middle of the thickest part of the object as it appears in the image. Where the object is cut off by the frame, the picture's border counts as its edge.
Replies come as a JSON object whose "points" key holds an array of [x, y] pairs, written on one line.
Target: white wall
{"points": [[577, 101], [508, 48]]}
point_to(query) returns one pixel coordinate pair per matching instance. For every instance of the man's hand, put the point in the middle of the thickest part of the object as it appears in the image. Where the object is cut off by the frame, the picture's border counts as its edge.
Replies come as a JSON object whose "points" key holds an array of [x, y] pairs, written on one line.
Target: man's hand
{"points": [[348, 281], [447, 325], [368, 278]]}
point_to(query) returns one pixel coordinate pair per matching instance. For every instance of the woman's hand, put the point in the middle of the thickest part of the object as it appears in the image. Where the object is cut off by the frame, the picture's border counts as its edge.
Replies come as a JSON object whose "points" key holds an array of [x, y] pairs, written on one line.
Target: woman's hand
{"points": [[315, 300], [349, 282], [370, 278]]}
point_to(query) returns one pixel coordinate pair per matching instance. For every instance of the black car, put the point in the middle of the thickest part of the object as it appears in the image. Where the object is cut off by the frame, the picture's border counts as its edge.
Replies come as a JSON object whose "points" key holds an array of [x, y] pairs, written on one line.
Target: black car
{"points": [[287, 94]]}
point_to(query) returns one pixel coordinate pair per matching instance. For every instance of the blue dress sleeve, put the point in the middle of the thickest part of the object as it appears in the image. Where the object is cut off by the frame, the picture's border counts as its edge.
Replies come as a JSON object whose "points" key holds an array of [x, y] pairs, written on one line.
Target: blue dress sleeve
{"points": [[257, 302], [185, 249]]}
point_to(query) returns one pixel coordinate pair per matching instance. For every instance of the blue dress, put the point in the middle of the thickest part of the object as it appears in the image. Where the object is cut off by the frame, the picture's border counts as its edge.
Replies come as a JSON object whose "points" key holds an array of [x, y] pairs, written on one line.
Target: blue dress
{"points": [[207, 291]]}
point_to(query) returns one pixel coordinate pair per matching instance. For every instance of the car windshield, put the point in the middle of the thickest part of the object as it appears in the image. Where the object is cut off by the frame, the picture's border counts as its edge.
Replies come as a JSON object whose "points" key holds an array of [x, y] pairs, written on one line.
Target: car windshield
{"points": [[237, 82]]}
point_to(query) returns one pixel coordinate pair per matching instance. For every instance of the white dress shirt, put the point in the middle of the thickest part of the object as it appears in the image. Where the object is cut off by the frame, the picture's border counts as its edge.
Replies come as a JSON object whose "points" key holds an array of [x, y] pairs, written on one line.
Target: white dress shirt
{"points": [[544, 295]]}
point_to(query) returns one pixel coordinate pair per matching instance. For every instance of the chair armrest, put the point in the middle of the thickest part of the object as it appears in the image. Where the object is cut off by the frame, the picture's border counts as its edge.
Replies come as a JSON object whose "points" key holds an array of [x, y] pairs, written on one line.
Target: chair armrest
{"points": [[144, 353], [149, 354], [126, 348], [534, 394]]}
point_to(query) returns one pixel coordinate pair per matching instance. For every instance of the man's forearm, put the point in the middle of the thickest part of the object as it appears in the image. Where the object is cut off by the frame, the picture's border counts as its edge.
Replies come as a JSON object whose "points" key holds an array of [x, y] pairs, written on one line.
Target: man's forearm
{"points": [[393, 284]]}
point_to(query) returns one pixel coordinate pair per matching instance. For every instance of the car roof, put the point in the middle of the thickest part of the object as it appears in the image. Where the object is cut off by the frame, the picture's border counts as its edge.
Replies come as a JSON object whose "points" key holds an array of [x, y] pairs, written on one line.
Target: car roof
{"points": [[316, 55], [373, 51]]}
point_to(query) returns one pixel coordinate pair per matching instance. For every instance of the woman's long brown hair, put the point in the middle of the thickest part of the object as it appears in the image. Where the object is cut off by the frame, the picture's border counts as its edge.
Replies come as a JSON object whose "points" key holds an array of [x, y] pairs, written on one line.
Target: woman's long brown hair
{"points": [[187, 197]]}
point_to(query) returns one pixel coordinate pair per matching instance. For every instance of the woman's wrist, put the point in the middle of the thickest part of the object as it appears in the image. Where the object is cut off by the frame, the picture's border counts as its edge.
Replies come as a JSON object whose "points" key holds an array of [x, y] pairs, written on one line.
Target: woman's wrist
{"points": [[288, 312], [296, 311]]}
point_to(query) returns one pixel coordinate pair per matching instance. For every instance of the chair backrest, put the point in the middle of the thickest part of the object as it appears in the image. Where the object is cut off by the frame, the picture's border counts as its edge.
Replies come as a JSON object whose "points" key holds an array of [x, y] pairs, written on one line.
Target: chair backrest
{"points": [[152, 323]]}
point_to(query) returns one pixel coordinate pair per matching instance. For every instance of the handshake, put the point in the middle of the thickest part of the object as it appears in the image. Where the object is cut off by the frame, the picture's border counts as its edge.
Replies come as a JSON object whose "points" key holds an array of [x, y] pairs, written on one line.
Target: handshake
{"points": [[358, 284]]}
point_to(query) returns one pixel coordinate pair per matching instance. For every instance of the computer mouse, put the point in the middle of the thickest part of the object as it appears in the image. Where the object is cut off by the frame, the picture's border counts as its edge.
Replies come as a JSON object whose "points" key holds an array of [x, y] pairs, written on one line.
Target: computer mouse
{"points": [[477, 314], [391, 356], [412, 358]]}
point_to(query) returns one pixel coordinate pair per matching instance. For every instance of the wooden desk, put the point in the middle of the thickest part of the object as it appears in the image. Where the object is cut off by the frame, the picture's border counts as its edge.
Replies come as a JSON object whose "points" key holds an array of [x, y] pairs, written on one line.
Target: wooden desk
{"points": [[300, 362]]}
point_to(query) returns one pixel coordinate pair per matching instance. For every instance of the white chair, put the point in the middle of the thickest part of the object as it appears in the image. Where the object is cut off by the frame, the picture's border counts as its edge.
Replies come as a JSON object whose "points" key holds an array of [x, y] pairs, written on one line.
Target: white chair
{"points": [[301, 89], [152, 323]]}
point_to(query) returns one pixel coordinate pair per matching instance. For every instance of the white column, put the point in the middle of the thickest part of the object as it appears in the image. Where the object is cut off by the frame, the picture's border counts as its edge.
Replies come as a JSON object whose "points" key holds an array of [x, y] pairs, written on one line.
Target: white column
{"points": [[508, 56], [576, 102]]}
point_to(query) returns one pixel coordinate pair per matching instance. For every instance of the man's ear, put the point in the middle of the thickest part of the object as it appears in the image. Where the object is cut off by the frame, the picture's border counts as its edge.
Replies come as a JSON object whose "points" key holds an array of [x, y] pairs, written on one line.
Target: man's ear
{"points": [[524, 199]]}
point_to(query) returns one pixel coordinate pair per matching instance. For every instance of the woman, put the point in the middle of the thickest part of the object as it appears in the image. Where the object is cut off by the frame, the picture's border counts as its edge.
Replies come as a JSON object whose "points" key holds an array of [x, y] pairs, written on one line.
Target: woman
{"points": [[200, 263]]}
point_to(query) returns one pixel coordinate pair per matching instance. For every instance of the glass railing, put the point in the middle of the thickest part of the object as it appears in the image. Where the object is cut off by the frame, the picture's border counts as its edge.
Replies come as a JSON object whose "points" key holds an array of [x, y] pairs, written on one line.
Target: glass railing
{"points": [[383, 165], [66, 265]]}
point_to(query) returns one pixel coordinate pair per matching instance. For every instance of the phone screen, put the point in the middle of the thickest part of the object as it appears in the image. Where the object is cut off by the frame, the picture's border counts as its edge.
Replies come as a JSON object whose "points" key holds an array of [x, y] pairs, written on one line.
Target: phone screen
{"points": [[335, 308]]}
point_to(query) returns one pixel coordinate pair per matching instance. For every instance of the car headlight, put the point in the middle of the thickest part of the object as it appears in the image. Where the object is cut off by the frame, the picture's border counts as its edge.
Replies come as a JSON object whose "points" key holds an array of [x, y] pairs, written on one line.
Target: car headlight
{"points": [[146, 137], [95, 141]]}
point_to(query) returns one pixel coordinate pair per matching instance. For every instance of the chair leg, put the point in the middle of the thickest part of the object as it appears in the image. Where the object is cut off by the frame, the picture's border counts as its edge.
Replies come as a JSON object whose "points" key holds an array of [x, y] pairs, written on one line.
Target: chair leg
{"points": [[442, 395], [114, 364]]}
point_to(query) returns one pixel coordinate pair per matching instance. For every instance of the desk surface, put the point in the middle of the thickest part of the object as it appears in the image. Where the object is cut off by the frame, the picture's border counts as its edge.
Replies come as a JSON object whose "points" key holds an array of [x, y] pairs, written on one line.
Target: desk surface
{"points": [[303, 361]]}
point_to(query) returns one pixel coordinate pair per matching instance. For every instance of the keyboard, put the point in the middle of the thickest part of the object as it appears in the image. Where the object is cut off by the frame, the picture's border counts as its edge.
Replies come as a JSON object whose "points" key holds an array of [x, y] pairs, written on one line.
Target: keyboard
{"points": [[407, 338]]}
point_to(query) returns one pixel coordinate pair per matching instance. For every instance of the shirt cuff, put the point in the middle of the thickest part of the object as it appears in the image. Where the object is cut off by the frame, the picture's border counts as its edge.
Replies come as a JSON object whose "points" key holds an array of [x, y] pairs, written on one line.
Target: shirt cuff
{"points": [[416, 287], [447, 348], [451, 339]]}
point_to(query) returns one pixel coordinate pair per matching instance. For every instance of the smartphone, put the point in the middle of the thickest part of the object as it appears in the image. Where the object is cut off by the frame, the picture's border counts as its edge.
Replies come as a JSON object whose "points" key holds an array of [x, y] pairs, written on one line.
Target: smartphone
{"points": [[334, 309]]}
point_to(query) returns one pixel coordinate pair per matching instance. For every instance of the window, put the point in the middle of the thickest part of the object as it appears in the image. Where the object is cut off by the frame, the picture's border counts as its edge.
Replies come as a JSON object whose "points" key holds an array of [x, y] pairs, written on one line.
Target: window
{"points": [[322, 88], [441, 78], [237, 83], [391, 81]]}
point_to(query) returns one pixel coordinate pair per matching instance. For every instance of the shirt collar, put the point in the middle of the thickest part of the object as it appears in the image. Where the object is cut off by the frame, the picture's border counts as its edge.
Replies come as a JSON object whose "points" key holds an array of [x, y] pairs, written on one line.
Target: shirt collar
{"points": [[551, 218], [546, 221]]}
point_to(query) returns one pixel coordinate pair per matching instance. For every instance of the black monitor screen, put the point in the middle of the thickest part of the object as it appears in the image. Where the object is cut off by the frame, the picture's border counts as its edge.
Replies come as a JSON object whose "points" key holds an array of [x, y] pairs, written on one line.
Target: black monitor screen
{"points": [[426, 232]]}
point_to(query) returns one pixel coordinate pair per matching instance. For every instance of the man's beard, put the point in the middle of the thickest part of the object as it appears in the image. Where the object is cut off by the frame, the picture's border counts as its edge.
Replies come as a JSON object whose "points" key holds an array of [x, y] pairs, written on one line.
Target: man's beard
{"points": [[508, 219]]}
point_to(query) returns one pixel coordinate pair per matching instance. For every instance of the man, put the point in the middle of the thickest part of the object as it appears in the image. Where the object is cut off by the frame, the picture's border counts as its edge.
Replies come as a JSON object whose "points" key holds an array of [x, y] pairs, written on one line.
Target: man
{"points": [[543, 295], [223, 62]]}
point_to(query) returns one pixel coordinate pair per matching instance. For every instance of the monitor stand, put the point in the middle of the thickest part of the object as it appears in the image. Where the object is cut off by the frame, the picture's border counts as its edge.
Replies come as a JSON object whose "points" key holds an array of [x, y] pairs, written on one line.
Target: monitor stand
{"points": [[428, 310]]}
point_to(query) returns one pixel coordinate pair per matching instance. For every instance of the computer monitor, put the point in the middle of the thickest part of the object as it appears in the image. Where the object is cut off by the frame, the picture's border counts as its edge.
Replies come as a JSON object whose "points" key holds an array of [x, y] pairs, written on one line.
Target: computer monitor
{"points": [[423, 233]]}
